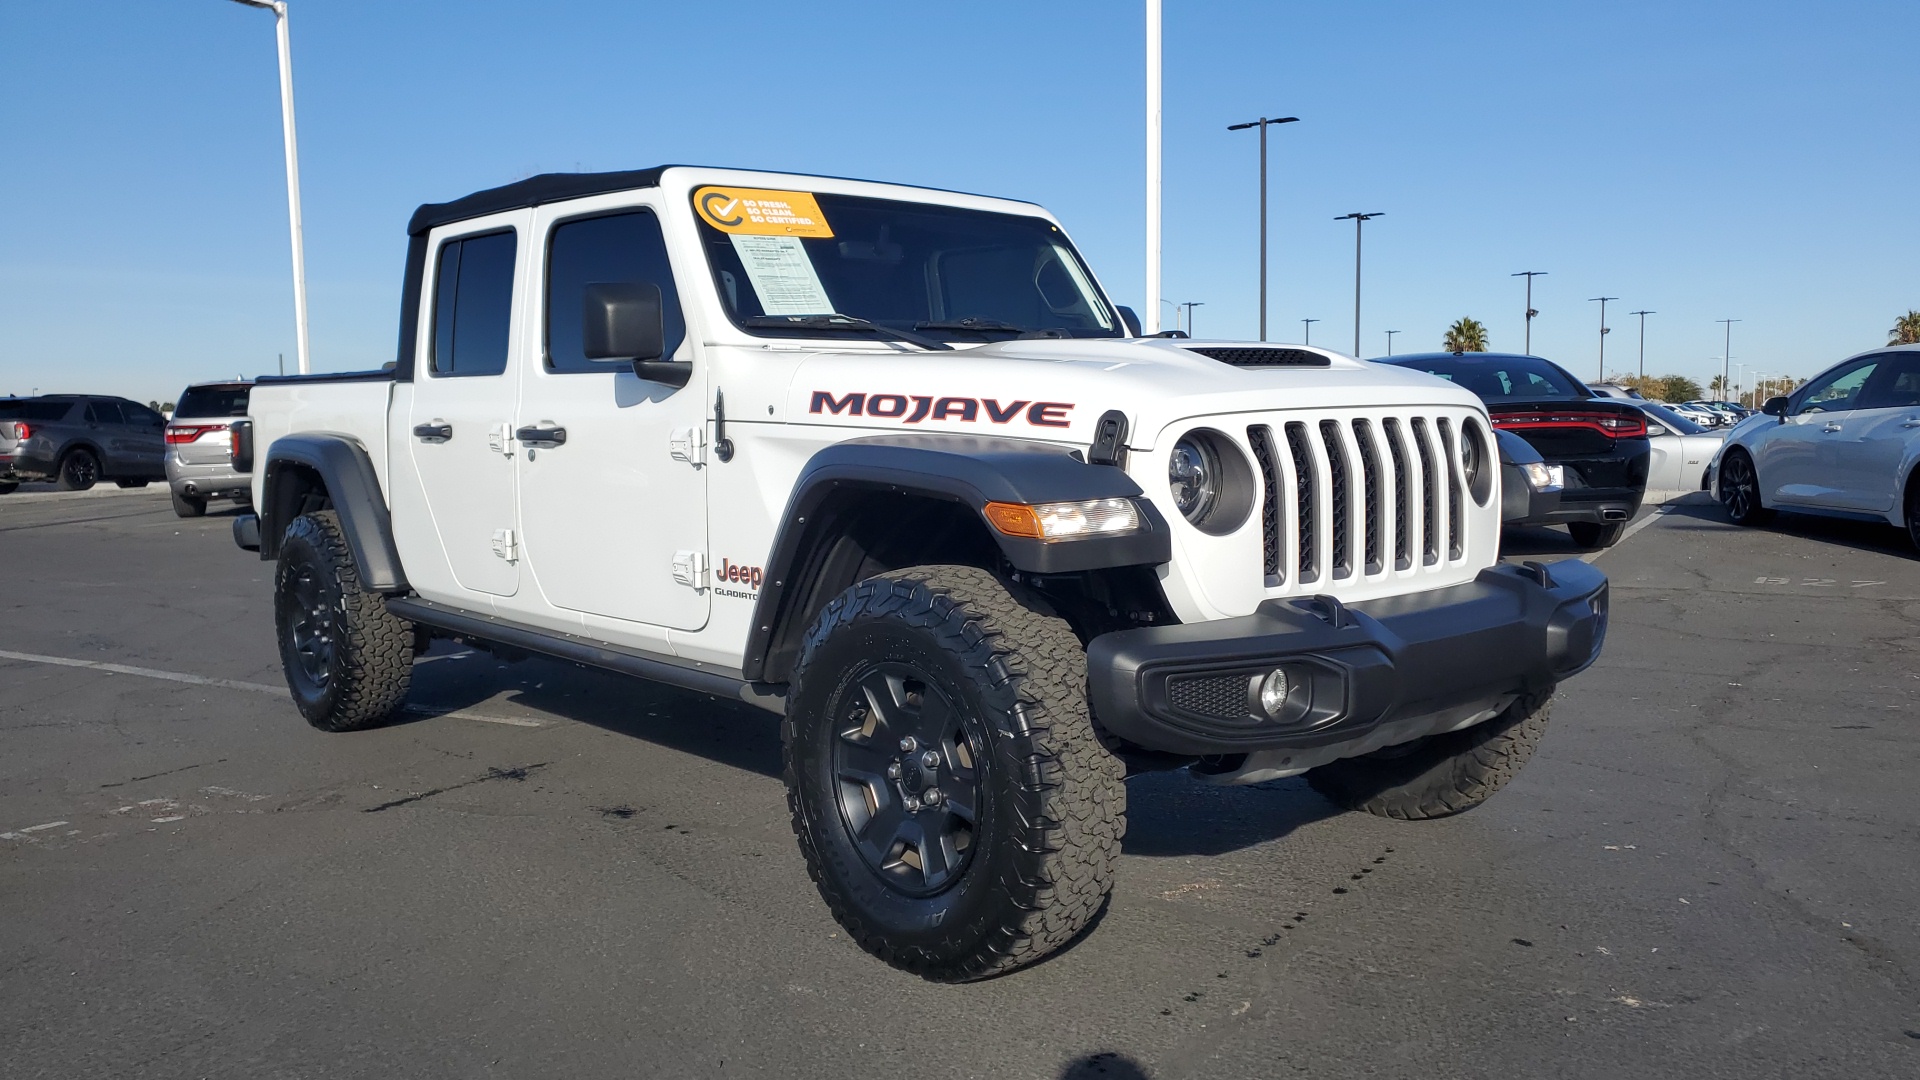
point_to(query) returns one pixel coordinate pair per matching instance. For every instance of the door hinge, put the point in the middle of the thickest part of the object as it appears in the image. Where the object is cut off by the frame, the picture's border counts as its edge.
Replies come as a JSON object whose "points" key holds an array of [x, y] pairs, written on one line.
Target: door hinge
{"points": [[690, 568], [500, 438], [506, 545], [688, 444]]}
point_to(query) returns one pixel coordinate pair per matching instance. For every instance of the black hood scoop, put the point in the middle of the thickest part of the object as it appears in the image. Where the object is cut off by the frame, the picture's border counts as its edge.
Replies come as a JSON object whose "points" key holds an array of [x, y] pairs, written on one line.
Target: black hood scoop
{"points": [[1243, 356]]}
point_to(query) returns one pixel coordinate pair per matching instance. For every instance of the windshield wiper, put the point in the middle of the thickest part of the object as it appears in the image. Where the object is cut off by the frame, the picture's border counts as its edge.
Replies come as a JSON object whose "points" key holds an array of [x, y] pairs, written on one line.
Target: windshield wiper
{"points": [[837, 321], [973, 323]]}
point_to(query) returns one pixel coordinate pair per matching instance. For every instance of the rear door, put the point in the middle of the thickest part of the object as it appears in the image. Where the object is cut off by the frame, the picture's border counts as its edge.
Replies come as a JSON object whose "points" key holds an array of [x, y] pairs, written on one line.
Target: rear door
{"points": [[106, 428], [456, 432], [615, 520]]}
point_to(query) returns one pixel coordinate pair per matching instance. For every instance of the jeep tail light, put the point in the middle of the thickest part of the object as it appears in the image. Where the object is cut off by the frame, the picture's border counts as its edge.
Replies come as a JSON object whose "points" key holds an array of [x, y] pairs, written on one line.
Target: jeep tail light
{"points": [[1611, 424], [1064, 520], [186, 433]]}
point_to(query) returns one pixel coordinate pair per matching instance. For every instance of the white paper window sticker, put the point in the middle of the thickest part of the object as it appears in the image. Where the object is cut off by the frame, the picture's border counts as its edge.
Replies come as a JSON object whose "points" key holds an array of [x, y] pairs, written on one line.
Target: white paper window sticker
{"points": [[782, 275]]}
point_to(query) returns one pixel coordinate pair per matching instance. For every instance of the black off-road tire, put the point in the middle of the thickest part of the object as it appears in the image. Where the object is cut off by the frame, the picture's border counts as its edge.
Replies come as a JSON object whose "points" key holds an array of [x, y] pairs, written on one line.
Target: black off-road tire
{"points": [[188, 506], [1439, 775], [347, 659], [79, 470], [1049, 801], [1740, 489], [1596, 535]]}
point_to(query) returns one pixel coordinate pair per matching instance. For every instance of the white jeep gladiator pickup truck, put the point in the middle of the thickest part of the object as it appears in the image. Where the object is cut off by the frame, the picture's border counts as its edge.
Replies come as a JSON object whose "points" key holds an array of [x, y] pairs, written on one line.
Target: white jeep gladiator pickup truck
{"points": [[887, 462]]}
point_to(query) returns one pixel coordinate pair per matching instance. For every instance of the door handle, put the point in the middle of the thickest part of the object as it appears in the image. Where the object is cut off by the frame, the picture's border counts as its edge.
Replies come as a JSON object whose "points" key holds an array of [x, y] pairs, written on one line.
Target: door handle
{"points": [[438, 431], [1912, 422], [541, 435], [1831, 428]]}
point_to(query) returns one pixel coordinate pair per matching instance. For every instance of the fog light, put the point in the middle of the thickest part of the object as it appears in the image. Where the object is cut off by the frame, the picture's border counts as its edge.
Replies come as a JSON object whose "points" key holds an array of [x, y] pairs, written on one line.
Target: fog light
{"points": [[1273, 693]]}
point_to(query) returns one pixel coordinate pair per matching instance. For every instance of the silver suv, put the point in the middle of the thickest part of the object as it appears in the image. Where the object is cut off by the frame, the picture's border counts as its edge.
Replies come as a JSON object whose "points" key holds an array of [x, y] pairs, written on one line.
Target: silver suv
{"points": [[200, 447]]}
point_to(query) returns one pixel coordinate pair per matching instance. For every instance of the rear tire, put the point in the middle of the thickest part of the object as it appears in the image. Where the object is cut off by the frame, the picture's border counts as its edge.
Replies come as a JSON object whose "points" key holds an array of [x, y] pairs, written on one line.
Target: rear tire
{"points": [[187, 506], [8, 487], [78, 471], [1440, 775], [131, 483], [1740, 489], [938, 678], [1596, 535], [347, 659]]}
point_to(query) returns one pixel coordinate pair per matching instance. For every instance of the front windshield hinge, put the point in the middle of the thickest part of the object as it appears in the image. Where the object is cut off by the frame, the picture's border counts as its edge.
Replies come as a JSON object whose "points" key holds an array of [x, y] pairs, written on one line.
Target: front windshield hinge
{"points": [[722, 446]]}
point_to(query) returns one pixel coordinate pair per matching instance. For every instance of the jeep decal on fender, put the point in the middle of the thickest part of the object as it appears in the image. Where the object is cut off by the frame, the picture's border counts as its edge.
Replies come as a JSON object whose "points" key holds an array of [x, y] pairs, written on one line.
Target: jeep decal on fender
{"points": [[913, 408]]}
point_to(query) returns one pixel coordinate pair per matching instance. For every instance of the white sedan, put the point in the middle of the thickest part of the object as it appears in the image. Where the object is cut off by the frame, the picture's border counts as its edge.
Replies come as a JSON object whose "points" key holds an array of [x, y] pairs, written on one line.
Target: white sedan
{"points": [[1679, 450], [1843, 444]]}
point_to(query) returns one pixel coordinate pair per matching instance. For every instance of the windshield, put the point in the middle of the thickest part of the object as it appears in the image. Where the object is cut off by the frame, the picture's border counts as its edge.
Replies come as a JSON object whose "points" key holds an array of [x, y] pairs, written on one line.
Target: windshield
{"points": [[923, 270], [212, 401], [1680, 424], [1502, 378]]}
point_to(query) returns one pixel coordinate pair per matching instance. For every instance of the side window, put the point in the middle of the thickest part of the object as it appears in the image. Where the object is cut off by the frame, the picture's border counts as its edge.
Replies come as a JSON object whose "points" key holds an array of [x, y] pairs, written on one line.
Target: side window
{"points": [[1836, 390], [1896, 387], [624, 247], [104, 412], [473, 305]]}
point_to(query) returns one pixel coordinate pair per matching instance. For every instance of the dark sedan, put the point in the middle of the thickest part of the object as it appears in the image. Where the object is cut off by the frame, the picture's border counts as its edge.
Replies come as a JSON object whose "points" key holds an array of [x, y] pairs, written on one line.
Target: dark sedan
{"points": [[1601, 442]]}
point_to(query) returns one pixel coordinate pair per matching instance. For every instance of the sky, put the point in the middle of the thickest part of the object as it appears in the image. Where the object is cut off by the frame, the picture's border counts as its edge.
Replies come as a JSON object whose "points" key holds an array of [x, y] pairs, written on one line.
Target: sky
{"points": [[1751, 160]]}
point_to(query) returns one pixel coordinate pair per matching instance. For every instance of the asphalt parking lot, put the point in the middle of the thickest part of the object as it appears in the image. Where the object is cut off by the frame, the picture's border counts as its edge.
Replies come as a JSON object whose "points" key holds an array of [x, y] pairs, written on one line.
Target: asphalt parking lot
{"points": [[1708, 871]]}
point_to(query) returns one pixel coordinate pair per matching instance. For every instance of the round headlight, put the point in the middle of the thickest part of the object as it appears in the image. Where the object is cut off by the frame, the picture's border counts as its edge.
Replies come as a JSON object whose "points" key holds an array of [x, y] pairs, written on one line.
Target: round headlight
{"points": [[1193, 472], [1474, 462]]}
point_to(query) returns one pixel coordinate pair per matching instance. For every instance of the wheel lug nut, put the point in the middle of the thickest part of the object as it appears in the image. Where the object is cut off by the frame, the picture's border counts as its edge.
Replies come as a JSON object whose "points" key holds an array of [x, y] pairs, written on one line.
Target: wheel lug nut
{"points": [[931, 796], [909, 744], [931, 759], [912, 803], [893, 770]]}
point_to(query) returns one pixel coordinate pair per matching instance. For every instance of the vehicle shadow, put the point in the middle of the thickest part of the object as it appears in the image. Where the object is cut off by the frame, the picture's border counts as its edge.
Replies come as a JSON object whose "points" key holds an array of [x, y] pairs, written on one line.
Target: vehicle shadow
{"points": [[1851, 533], [1107, 1064], [1523, 540], [451, 678], [1170, 814]]}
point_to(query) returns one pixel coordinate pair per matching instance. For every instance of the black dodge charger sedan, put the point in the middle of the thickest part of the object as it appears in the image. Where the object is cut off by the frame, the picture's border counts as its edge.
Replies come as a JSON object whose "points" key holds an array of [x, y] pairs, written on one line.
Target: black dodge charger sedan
{"points": [[1601, 442]]}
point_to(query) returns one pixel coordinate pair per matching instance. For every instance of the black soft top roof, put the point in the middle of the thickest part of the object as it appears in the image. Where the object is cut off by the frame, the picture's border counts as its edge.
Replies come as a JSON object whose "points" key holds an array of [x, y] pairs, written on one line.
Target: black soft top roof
{"points": [[533, 191]]}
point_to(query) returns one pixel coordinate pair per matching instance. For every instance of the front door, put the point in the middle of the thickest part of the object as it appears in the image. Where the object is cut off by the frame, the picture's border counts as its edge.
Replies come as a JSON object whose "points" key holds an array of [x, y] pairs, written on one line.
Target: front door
{"points": [[615, 520], [456, 430], [1799, 461], [1885, 423]]}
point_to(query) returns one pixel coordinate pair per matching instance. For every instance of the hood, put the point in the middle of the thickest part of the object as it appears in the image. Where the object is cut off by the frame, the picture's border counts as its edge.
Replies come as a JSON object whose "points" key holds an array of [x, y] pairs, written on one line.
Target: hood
{"points": [[1057, 389]]}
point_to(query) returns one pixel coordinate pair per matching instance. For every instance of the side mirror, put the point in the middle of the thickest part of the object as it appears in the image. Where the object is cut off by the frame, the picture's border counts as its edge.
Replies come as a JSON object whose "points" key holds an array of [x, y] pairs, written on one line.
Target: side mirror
{"points": [[623, 320], [1131, 321], [1775, 406]]}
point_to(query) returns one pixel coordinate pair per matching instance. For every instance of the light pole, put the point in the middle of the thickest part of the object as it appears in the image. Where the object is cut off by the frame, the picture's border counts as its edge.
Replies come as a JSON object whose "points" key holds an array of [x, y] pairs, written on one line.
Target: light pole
{"points": [[1263, 123], [1643, 339], [1390, 334], [1739, 379], [279, 9], [1308, 323], [1190, 305], [1358, 219], [1603, 332], [1529, 275], [1726, 358], [1153, 165]]}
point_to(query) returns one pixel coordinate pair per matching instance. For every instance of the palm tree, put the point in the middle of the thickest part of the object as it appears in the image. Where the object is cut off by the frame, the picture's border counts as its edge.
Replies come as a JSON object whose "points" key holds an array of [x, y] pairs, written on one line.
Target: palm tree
{"points": [[1906, 330], [1466, 335]]}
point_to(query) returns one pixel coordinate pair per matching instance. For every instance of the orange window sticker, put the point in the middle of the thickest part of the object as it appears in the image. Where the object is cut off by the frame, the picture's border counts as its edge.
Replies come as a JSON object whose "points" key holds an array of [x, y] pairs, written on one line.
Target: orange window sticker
{"points": [[755, 212]]}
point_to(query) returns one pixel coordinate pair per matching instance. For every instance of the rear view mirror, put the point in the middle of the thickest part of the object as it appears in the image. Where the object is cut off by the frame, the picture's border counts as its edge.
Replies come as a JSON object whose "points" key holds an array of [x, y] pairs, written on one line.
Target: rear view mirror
{"points": [[622, 320], [1775, 406]]}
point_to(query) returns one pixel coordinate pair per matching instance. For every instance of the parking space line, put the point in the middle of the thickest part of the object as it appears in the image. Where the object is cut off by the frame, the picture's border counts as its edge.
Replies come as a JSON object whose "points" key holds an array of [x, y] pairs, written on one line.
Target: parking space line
{"points": [[253, 687]]}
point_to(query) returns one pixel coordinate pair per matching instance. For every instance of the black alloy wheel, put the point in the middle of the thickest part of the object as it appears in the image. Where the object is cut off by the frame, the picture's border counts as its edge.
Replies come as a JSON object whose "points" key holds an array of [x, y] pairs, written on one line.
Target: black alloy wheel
{"points": [[908, 783], [1740, 489], [347, 659], [79, 470]]}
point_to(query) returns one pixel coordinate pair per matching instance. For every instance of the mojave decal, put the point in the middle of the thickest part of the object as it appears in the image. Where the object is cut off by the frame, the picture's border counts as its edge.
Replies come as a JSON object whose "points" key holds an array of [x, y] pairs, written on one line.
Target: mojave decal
{"points": [[913, 408]]}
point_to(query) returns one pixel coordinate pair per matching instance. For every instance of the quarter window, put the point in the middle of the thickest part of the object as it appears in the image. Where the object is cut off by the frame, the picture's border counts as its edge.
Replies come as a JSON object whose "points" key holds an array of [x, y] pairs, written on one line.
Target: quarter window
{"points": [[624, 247], [473, 305]]}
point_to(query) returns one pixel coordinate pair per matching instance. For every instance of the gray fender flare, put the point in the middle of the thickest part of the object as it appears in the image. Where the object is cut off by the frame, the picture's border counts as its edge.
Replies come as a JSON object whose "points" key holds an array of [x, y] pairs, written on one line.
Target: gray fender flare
{"points": [[353, 487]]}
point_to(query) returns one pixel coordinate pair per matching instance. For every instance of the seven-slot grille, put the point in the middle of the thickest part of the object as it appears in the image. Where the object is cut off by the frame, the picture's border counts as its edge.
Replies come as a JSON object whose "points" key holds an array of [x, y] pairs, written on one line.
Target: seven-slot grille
{"points": [[1359, 496]]}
